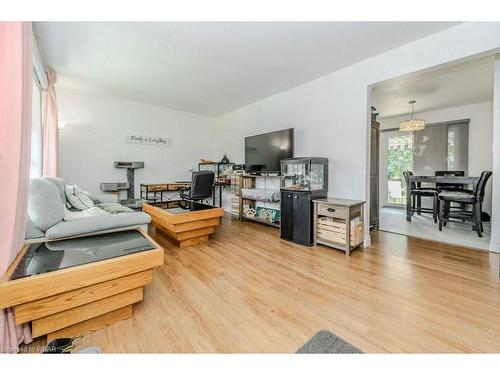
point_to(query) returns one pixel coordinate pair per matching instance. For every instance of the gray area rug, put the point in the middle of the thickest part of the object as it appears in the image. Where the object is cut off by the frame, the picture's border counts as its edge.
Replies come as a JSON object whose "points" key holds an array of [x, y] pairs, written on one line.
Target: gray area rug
{"points": [[326, 342]]}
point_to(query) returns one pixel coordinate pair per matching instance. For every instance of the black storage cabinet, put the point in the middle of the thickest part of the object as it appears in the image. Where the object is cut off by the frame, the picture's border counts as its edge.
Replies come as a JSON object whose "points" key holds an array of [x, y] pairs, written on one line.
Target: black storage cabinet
{"points": [[296, 217], [296, 199]]}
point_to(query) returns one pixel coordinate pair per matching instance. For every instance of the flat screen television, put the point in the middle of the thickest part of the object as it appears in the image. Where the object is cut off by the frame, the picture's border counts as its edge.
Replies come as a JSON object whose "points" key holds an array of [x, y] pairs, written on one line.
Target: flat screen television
{"points": [[263, 152]]}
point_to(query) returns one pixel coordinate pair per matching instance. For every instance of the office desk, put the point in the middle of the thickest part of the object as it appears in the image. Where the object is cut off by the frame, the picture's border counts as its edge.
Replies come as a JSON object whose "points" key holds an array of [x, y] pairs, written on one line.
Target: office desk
{"points": [[158, 189], [221, 185]]}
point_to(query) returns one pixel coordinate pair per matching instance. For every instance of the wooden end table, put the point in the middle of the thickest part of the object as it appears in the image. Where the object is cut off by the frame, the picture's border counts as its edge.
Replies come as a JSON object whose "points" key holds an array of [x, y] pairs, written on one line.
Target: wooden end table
{"points": [[339, 223], [75, 286]]}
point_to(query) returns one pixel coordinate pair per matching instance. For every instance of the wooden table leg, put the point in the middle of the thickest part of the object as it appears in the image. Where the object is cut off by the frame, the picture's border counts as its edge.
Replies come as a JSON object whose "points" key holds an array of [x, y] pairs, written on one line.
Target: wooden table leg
{"points": [[419, 200], [348, 232]]}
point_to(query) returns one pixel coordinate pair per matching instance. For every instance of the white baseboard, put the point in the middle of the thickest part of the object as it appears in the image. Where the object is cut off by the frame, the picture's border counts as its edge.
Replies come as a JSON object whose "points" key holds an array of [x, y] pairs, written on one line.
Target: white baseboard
{"points": [[495, 247], [368, 241]]}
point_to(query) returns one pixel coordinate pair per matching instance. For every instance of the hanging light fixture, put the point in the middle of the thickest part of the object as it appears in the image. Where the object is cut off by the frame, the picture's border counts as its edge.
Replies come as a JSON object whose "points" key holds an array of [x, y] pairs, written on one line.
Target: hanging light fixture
{"points": [[412, 124]]}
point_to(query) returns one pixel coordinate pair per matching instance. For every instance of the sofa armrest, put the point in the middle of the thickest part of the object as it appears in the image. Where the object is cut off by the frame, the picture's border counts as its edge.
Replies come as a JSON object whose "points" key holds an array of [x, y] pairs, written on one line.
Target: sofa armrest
{"points": [[104, 198]]}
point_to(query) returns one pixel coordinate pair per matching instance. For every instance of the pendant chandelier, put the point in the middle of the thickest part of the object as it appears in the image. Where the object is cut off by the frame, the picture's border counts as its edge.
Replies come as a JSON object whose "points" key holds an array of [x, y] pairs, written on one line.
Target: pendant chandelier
{"points": [[412, 124]]}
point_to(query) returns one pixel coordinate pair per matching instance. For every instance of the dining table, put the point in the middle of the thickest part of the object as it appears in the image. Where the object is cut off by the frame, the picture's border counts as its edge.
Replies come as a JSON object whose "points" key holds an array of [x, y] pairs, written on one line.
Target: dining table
{"points": [[464, 180]]}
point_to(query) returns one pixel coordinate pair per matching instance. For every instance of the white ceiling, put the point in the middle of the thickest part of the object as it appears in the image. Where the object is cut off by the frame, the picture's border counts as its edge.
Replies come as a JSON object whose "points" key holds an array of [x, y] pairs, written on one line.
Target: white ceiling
{"points": [[453, 86], [212, 67]]}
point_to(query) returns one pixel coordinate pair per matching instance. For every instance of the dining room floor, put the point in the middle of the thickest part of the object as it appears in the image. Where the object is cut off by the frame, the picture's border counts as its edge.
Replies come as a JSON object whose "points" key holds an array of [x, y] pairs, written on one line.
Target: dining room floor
{"points": [[422, 226]]}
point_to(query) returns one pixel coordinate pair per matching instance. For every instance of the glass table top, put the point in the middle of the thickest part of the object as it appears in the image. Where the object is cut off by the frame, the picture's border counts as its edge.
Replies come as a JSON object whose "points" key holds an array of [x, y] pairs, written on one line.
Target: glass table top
{"points": [[182, 206], [53, 256]]}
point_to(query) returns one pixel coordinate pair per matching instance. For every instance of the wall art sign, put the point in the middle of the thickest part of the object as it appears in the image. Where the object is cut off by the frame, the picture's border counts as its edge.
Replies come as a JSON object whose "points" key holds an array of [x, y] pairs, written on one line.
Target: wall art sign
{"points": [[150, 140]]}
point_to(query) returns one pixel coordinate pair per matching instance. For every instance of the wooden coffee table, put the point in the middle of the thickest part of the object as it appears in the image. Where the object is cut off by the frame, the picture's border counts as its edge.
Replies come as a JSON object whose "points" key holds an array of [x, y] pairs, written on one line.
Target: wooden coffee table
{"points": [[76, 286], [187, 223]]}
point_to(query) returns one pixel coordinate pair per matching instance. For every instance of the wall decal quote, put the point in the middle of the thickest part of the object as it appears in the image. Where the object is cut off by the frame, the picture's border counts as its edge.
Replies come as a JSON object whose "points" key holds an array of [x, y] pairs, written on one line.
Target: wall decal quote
{"points": [[150, 140]]}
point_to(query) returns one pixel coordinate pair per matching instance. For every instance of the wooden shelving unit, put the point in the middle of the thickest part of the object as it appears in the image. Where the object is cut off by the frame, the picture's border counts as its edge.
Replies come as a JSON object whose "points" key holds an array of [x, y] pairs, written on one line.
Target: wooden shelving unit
{"points": [[235, 178], [258, 220], [249, 182]]}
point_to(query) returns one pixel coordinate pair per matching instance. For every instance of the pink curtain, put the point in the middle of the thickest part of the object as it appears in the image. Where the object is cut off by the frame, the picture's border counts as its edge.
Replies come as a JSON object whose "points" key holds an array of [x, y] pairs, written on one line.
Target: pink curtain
{"points": [[16, 70], [50, 143]]}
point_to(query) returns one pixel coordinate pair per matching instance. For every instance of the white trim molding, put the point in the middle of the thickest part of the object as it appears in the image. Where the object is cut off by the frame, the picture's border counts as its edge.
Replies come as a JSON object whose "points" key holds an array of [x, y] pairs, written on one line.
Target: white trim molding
{"points": [[368, 241], [495, 247]]}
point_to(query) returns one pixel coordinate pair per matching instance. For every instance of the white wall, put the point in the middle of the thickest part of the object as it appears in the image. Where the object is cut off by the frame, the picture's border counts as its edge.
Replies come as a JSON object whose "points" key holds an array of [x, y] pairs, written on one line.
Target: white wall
{"points": [[480, 139], [495, 218], [94, 138], [330, 114]]}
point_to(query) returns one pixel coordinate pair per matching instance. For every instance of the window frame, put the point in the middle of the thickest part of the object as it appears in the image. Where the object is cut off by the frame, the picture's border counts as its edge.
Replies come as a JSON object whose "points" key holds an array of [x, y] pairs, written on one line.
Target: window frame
{"points": [[36, 131]]}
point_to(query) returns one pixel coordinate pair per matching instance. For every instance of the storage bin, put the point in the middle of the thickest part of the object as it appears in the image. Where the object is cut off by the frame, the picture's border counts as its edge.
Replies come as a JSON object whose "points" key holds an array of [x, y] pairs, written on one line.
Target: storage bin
{"points": [[333, 230]]}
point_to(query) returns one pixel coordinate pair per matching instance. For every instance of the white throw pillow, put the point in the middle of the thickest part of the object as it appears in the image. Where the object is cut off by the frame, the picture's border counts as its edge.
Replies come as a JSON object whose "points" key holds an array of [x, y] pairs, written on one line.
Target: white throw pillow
{"points": [[78, 198]]}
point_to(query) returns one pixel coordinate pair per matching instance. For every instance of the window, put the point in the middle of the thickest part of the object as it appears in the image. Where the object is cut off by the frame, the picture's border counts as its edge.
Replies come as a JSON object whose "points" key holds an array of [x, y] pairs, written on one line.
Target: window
{"points": [[36, 132], [458, 144], [452, 135], [438, 147], [399, 159]]}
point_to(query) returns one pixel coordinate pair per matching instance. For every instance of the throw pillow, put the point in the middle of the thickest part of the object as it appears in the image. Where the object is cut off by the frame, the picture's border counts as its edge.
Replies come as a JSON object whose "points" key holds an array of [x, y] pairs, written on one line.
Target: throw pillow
{"points": [[78, 198], [59, 182]]}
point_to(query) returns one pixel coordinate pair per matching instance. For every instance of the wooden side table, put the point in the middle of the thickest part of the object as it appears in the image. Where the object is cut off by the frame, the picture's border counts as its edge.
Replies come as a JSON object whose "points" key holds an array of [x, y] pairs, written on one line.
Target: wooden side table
{"points": [[339, 223]]}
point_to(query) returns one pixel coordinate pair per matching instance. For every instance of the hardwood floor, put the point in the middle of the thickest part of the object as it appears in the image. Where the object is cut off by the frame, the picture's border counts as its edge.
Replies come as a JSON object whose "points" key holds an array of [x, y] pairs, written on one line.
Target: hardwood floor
{"points": [[248, 291]]}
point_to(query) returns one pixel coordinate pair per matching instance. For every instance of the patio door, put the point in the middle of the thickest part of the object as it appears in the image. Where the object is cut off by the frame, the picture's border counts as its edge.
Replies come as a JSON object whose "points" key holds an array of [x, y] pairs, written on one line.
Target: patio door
{"points": [[399, 159], [439, 147]]}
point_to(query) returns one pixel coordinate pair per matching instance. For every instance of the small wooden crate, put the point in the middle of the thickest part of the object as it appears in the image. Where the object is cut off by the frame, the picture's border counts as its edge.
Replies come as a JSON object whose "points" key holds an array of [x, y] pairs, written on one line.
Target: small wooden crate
{"points": [[334, 230]]}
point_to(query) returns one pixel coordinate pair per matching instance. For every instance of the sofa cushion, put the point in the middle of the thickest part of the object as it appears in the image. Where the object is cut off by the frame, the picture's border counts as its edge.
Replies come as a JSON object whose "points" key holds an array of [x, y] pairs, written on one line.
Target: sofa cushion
{"points": [[59, 182], [114, 208], [104, 198], [32, 232], [84, 214], [45, 208], [96, 224], [78, 198]]}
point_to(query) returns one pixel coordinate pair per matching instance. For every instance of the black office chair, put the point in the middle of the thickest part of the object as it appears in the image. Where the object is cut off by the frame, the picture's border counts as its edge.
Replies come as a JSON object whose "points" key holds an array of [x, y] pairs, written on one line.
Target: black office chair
{"points": [[202, 184], [416, 197], [475, 198]]}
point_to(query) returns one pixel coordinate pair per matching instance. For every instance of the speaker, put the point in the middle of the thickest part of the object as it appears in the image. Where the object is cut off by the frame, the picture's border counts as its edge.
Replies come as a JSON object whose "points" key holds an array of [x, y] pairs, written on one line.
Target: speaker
{"points": [[238, 167]]}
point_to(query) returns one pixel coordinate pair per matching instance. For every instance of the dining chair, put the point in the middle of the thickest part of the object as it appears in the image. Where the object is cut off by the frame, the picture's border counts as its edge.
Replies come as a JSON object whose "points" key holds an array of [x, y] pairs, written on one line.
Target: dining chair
{"points": [[452, 187], [417, 193], [449, 187], [475, 199]]}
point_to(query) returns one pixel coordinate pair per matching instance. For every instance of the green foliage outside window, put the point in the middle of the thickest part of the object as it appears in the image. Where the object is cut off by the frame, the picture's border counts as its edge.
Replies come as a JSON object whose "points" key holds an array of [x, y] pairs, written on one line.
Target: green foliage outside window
{"points": [[399, 160]]}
